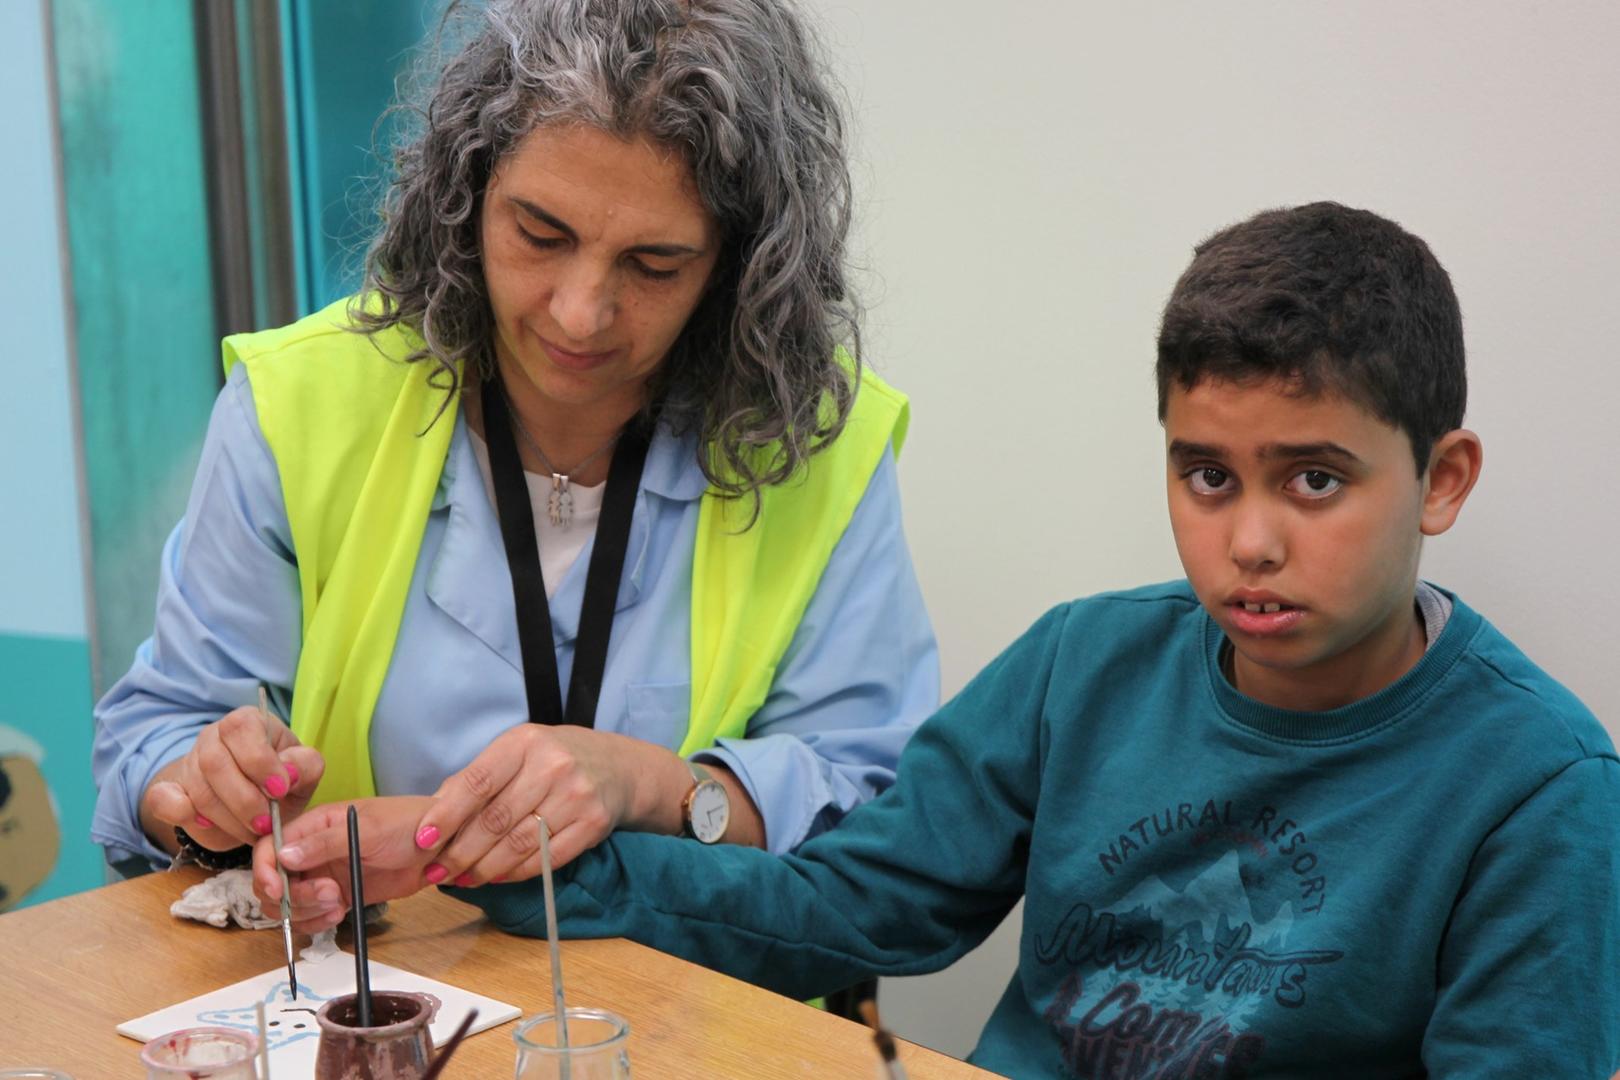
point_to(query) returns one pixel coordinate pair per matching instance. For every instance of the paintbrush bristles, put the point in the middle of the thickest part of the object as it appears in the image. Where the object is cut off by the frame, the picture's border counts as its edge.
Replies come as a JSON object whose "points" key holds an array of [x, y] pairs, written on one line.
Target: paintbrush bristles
{"points": [[886, 1047]]}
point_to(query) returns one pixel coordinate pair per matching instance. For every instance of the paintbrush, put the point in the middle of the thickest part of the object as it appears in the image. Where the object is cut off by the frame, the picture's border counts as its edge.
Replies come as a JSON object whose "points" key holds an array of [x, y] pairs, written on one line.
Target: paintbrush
{"points": [[264, 1042], [357, 918], [892, 1069], [450, 1047], [549, 890], [286, 902]]}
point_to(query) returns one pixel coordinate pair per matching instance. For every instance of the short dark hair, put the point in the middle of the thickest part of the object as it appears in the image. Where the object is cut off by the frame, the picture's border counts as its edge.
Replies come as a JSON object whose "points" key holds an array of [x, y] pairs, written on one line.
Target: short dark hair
{"points": [[1330, 299]]}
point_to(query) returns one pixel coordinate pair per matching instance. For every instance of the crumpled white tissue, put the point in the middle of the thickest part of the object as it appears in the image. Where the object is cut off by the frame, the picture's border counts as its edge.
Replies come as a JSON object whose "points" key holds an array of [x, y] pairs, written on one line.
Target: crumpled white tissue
{"points": [[225, 898], [320, 946]]}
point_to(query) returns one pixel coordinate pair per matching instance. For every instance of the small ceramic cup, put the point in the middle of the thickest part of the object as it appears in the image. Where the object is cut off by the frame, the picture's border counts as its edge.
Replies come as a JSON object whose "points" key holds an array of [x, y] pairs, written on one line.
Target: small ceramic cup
{"points": [[396, 1047]]}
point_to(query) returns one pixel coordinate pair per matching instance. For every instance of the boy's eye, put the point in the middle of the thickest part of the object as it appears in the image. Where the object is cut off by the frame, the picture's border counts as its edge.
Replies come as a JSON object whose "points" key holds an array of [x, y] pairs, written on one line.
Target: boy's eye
{"points": [[1314, 484], [1208, 480]]}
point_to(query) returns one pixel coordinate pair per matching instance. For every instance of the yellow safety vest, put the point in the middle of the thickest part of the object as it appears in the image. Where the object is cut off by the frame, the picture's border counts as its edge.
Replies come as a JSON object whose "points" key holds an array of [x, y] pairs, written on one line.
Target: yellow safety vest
{"points": [[360, 441]]}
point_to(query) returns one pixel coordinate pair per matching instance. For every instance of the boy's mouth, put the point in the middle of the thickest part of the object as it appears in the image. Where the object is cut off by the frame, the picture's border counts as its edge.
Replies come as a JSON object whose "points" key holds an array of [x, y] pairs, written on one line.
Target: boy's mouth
{"points": [[1263, 617]]}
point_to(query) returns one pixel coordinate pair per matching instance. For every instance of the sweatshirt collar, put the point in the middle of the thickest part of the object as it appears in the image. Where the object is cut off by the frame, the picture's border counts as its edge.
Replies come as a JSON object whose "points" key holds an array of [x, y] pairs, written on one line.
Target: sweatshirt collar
{"points": [[1388, 706]]}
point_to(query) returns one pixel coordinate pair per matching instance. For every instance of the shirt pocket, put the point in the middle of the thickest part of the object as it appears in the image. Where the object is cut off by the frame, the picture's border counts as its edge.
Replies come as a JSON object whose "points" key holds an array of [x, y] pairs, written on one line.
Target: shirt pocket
{"points": [[658, 712]]}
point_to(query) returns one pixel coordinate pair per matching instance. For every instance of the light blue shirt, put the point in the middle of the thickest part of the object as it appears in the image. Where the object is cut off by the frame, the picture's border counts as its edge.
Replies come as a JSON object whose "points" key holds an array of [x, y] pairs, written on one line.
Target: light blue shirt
{"points": [[861, 672]]}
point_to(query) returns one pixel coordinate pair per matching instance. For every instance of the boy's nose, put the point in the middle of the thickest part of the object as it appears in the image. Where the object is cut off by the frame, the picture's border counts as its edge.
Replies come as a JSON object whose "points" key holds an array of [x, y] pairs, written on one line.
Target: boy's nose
{"points": [[1257, 541]]}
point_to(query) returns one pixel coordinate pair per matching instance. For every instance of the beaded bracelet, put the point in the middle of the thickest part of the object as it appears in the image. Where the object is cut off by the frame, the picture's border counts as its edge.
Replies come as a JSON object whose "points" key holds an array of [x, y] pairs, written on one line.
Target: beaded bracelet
{"points": [[192, 852]]}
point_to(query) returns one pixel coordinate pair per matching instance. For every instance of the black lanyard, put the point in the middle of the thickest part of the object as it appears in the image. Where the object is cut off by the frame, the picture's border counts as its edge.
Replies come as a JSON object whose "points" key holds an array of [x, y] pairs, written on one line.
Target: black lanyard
{"points": [[516, 513]]}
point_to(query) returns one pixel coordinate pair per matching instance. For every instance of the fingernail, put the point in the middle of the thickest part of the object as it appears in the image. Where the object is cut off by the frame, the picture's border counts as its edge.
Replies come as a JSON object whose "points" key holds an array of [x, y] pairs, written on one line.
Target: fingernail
{"points": [[261, 824], [292, 773], [464, 880], [291, 854], [204, 823], [435, 873], [276, 786], [427, 836]]}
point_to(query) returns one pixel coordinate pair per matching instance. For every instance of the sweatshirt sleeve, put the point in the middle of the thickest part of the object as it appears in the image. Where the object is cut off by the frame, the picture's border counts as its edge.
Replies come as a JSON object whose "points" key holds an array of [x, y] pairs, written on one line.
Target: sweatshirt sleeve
{"points": [[1529, 969], [906, 884]]}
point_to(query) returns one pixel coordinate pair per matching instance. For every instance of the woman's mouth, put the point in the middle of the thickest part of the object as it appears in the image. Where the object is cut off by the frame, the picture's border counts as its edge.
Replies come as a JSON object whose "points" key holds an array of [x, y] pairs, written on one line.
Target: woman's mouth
{"points": [[574, 361]]}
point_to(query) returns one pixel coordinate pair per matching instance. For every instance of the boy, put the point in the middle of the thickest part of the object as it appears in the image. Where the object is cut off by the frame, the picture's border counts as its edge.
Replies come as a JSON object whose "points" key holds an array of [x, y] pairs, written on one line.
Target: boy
{"points": [[1300, 814]]}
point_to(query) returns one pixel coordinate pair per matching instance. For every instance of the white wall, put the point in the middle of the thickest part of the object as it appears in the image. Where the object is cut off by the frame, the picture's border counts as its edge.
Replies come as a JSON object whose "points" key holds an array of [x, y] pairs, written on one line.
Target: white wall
{"points": [[1033, 177]]}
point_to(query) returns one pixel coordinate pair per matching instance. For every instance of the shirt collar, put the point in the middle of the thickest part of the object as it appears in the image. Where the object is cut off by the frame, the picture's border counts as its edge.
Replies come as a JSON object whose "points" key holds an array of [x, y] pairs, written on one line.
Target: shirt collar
{"points": [[672, 468]]}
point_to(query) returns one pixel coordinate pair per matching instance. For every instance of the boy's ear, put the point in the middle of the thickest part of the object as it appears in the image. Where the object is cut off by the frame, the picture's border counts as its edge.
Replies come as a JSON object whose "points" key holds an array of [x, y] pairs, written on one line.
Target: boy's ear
{"points": [[1454, 466]]}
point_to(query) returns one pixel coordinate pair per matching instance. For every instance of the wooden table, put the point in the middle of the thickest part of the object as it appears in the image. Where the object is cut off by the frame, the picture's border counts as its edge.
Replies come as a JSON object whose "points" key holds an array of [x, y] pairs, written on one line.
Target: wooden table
{"points": [[73, 969]]}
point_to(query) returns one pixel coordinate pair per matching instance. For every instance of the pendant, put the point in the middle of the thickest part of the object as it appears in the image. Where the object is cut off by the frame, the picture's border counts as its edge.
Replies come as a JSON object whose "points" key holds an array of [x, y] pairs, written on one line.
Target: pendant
{"points": [[560, 505]]}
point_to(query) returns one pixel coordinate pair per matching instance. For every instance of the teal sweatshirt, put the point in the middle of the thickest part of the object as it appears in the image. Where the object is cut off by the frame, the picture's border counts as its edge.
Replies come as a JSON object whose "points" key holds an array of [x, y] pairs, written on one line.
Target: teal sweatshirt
{"points": [[1426, 881]]}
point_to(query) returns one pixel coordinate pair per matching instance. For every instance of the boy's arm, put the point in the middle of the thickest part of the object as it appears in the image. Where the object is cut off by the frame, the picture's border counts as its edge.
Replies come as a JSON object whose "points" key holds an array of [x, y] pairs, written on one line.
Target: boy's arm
{"points": [[907, 884], [1529, 970]]}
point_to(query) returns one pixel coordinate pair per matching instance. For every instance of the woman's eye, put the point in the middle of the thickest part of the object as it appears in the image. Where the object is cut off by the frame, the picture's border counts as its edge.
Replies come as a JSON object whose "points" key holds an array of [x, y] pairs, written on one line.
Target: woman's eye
{"points": [[1314, 484], [544, 243], [1209, 480], [652, 272]]}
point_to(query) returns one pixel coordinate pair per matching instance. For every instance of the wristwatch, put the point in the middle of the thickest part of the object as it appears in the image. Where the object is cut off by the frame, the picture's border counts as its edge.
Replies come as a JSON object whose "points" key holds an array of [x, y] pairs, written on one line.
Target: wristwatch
{"points": [[706, 810]]}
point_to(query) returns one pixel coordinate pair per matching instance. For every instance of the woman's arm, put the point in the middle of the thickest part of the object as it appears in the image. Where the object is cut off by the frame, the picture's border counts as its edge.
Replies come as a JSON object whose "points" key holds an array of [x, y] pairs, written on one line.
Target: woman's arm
{"points": [[861, 673], [227, 619]]}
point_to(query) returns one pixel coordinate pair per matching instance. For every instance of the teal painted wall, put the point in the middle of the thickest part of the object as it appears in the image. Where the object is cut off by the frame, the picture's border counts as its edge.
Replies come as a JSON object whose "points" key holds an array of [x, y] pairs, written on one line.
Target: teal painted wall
{"points": [[343, 60], [148, 354], [44, 648], [110, 299]]}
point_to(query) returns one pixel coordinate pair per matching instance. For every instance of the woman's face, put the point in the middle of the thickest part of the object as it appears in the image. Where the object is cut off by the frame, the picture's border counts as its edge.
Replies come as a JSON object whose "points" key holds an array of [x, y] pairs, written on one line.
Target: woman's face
{"points": [[596, 251]]}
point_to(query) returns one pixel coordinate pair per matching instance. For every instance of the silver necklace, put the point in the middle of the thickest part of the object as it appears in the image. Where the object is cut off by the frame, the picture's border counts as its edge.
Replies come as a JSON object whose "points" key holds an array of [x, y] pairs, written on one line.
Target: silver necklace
{"points": [[560, 503]]}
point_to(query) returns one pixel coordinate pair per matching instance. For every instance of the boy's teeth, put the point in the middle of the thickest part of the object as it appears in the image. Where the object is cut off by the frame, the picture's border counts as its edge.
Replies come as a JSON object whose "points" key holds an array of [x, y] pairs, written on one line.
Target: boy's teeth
{"points": [[1258, 608]]}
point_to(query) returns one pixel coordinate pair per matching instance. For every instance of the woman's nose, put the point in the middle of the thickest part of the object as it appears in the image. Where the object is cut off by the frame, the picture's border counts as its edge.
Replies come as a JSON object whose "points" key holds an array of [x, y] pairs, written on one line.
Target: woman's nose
{"points": [[582, 305]]}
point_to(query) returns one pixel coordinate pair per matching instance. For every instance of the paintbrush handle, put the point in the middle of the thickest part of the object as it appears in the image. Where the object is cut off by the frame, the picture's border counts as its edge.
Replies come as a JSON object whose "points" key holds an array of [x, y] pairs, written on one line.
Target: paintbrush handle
{"points": [[286, 901], [443, 1058], [357, 913], [550, 893]]}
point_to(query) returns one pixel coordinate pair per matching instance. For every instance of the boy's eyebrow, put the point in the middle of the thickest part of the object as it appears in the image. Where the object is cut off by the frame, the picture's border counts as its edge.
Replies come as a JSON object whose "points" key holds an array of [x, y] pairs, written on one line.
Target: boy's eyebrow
{"points": [[1182, 450], [665, 250], [1319, 450]]}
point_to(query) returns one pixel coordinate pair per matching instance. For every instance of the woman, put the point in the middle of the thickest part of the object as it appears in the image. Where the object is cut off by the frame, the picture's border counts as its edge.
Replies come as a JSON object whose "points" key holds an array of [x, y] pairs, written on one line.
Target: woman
{"points": [[586, 451]]}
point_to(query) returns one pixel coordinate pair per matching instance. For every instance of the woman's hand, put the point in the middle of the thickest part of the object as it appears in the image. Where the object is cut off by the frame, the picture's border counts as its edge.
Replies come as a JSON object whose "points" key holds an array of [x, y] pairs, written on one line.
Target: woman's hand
{"points": [[585, 783], [220, 791], [315, 852]]}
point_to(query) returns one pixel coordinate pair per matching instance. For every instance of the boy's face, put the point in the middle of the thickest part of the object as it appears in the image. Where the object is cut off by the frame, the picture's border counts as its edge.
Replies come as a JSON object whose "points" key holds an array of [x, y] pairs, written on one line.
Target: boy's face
{"points": [[1299, 522]]}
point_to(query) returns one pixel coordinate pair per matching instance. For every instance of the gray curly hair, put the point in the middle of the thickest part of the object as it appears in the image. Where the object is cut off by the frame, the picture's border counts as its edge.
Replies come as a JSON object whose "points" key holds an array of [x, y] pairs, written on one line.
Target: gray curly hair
{"points": [[738, 89]]}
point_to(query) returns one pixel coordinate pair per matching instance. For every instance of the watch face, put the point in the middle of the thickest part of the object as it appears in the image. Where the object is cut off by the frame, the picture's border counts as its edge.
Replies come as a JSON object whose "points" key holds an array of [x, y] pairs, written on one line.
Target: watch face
{"points": [[710, 810]]}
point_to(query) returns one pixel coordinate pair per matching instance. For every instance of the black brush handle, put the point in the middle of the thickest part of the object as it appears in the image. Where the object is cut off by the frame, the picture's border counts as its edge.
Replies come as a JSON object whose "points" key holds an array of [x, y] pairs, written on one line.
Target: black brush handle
{"points": [[357, 914]]}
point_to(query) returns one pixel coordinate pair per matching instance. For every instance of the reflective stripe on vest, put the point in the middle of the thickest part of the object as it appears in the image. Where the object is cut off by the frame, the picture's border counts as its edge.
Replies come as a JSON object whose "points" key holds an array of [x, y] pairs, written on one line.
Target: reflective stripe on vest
{"points": [[360, 440]]}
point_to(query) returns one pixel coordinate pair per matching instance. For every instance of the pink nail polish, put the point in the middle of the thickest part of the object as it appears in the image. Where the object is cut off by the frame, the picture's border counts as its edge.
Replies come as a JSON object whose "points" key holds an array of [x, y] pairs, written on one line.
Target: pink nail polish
{"points": [[435, 873], [261, 824], [464, 880], [204, 823], [292, 773], [276, 786], [427, 836]]}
